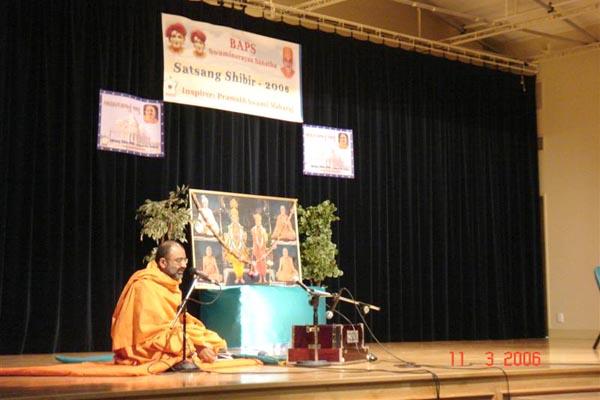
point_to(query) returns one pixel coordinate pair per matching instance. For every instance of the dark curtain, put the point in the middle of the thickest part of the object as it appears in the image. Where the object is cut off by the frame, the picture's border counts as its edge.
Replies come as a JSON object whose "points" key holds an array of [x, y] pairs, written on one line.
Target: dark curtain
{"points": [[440, 226]]}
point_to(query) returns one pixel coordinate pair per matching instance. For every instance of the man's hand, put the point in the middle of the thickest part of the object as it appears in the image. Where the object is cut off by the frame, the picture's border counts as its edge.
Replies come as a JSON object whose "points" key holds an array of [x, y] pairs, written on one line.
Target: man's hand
{"points": [[207, 355]]}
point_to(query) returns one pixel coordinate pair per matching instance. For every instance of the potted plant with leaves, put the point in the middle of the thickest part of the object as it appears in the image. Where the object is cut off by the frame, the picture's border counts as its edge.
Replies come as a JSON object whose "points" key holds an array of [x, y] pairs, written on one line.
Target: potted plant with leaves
{"points": [[316, 248], [165, 219]]}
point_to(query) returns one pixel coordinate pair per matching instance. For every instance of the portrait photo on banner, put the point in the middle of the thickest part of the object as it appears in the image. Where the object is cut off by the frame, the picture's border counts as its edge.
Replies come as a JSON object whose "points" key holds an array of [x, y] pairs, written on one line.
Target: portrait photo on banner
{"points": [[130, 124], [242, 239], [328, 151]]}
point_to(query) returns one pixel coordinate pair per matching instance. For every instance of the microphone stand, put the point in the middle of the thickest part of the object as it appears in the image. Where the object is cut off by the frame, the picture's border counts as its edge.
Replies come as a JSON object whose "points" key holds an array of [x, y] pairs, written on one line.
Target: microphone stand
{"points": [[315, 295], [314, 302], [185, 365], [365, 307]]}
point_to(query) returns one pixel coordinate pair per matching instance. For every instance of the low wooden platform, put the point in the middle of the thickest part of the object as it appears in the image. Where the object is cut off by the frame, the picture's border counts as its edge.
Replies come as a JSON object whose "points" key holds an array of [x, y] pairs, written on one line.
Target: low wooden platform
{"points": [[568, 369]]}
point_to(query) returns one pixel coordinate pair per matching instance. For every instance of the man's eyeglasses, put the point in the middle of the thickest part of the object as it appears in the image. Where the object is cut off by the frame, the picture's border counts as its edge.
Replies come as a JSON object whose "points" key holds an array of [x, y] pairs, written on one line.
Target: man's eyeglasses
{"points": [[181, 260]]}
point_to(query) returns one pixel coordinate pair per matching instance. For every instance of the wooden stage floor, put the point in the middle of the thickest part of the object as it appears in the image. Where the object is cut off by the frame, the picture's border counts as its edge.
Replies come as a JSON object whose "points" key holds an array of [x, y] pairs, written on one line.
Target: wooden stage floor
{"points": [[568, 369]]}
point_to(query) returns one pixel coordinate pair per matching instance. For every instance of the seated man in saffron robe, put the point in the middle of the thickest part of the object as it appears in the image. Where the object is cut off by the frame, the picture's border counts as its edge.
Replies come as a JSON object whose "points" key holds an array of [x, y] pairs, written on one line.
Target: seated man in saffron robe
{"points": [[141, 323]]}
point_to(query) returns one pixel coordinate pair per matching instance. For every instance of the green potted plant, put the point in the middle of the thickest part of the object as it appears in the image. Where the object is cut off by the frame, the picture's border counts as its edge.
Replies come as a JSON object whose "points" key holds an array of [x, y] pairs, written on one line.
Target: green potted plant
{"points": [[165, 219], [316, 248]]}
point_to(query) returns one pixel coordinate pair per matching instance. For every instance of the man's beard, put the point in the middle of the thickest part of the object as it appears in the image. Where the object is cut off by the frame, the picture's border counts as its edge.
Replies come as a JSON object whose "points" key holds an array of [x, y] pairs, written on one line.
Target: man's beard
{"points": [[176, 274]]}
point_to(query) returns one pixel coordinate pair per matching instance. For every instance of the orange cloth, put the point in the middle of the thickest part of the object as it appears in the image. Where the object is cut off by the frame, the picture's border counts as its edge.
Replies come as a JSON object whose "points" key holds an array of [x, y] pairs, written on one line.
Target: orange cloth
{"points": [[110, 369], [141, 322]]}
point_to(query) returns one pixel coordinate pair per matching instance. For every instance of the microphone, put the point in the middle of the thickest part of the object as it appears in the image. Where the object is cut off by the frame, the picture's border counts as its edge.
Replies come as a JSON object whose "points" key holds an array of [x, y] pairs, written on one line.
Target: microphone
{"points": [[313, 291], [329, 313], [204, 277], [303, 286]]}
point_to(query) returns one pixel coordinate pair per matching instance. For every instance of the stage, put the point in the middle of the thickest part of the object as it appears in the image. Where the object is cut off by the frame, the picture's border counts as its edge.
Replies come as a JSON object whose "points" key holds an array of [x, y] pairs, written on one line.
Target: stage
{"points": [[532, 369]]}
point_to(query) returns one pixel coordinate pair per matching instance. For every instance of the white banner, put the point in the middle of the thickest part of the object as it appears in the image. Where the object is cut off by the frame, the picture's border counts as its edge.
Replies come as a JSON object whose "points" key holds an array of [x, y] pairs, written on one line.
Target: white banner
{"points": [[130, 124], [328, 151], [218, 67]]}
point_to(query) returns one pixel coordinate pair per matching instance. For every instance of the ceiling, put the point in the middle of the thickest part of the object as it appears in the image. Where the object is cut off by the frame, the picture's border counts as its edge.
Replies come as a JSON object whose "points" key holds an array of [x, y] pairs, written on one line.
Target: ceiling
{"points": [[514, 34]]}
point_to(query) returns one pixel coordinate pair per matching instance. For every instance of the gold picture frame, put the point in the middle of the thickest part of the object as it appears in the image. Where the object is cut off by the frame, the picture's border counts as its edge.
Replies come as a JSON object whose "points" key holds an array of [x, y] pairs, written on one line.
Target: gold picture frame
{"points": [[242, 239]]}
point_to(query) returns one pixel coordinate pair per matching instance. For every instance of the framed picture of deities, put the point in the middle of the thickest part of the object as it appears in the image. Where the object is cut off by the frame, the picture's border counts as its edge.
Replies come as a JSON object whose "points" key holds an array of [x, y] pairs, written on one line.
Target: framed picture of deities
{"points": [[242, 239]]}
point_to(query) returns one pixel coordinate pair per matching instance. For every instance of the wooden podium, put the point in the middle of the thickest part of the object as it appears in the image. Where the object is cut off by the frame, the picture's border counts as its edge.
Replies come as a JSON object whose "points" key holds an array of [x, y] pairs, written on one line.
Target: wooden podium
{"points": [[336, 343]]}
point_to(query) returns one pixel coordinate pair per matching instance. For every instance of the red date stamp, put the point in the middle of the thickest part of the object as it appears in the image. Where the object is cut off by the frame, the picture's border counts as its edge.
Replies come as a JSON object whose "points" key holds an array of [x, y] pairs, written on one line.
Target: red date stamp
{"points": [[505, 359]]}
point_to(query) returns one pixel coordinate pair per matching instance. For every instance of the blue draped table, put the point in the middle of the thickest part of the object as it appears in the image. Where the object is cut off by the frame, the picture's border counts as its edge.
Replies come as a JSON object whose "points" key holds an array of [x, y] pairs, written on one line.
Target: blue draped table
{"points": [[258, 318]]}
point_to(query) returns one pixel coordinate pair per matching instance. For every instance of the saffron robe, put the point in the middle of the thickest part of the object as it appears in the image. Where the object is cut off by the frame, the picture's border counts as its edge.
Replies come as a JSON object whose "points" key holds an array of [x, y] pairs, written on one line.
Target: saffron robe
{"points": [[141, 331], [283, 228], [287, 272], [259, 249]]}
